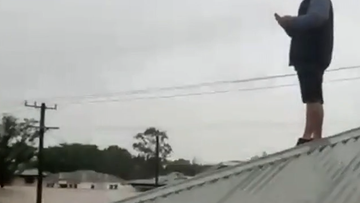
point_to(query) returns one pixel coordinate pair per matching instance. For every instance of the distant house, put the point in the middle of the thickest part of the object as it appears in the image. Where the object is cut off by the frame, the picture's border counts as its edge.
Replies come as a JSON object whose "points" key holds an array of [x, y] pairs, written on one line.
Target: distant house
{"points": [[163, 180], [146, 184], [221, 165], [27, 178], [84, 180]]}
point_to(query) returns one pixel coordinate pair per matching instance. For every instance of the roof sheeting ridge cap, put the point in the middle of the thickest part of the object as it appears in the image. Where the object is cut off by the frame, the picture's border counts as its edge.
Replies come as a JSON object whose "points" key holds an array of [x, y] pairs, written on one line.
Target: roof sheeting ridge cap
{"points": [[200, 179]]}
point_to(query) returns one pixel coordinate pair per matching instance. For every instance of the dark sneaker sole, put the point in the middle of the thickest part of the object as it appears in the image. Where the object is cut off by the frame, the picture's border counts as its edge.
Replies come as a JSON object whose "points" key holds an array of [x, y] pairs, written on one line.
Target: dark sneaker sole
{"points": [[303, 141]]}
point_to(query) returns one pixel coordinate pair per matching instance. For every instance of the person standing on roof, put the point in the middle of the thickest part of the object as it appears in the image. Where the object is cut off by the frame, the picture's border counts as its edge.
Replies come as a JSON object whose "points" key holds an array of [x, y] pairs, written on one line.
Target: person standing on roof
{"points": [[312, 39]]}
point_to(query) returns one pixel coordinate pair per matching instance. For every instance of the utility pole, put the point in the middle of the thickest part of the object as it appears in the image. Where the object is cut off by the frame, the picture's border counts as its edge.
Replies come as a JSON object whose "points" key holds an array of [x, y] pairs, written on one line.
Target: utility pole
{"points": [[157, 161], [42, 130]]}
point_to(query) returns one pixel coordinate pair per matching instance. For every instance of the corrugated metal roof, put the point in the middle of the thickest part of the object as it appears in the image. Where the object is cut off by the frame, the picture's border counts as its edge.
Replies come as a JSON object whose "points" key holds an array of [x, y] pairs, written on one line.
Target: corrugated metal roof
{"points": [[326, 171]]}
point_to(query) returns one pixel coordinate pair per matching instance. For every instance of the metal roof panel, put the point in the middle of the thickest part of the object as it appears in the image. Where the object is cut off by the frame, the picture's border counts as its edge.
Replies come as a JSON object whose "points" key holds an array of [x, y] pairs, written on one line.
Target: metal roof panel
{"points": [[326, 171]]}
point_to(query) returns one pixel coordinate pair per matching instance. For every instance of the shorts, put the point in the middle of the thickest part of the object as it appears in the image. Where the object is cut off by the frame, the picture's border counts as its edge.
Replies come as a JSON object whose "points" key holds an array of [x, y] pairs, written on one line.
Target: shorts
{"points": [[310, 81]]}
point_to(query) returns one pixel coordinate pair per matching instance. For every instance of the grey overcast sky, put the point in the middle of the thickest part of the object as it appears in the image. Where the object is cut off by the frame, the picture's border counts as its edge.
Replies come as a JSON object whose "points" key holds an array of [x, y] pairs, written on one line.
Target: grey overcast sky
{"points": [[66, 48]]}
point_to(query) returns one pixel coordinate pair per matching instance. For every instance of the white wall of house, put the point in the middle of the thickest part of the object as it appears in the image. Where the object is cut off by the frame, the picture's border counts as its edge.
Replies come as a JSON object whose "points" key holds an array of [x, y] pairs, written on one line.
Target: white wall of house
{"points": [[114, 186], [99, 186], [84, 185], [20, 181]]}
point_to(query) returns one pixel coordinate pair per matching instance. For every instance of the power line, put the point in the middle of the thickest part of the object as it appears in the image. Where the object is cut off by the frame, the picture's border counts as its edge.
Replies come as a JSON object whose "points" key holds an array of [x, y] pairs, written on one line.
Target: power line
{"points": [[205, 93], [233, 123], [183, 87], [106, 97], [108, 100]]}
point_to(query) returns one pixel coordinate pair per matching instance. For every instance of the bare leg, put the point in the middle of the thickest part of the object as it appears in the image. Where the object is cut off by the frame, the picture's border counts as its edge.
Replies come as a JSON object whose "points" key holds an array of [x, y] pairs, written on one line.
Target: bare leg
{"points": [[309, 122], [314, 121], [319, 119], [311, 93]]}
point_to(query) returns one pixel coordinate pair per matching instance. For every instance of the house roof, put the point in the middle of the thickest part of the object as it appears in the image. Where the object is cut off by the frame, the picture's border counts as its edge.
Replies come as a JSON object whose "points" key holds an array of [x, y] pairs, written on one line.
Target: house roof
{"points": [[323, 171], [84, 176], [222, 165], [166, 179], [31, 172]]}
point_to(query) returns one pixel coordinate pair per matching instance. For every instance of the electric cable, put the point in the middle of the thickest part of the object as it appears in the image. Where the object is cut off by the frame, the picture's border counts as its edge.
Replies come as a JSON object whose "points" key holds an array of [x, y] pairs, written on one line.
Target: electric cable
{"points": [[101, 98], [106, 100], [184, 87]]}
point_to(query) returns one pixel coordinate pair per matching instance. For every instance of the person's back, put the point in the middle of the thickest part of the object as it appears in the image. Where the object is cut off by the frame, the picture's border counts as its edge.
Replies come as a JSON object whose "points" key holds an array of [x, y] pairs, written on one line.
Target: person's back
{"points": [[312, 39]]}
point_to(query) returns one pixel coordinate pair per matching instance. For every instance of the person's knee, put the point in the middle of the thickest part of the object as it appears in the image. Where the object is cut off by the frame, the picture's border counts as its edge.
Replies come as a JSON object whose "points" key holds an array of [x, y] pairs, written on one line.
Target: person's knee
{"points": [[314, 107]]}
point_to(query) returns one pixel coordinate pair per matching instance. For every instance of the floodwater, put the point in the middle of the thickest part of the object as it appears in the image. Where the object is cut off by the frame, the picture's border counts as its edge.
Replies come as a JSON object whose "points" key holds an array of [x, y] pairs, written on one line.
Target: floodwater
{"points": [[57, 195]]}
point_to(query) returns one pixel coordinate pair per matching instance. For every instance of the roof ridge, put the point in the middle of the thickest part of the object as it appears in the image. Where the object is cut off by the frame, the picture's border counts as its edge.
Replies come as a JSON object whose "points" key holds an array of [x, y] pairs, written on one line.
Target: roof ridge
{"points": [[228, 171]]}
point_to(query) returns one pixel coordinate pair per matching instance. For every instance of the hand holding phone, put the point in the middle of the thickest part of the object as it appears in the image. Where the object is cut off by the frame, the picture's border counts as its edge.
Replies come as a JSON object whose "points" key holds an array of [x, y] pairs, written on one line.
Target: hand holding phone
{"points": [[277, 17]]}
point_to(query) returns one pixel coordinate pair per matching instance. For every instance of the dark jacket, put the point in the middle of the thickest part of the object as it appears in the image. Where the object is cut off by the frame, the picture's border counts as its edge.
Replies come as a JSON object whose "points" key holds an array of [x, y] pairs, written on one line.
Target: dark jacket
{"points": [[312, 47]]}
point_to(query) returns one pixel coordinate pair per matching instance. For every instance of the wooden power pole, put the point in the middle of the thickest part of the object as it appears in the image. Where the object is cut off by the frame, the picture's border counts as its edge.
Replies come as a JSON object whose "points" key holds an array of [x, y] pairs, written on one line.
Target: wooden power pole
{"points": [[157, 161], [42, 130]]}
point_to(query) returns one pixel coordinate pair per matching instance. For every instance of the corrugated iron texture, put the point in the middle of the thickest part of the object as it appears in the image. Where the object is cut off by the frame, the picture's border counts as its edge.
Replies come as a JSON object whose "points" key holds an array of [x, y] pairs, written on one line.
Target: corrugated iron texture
{"points": [[327, 171]]}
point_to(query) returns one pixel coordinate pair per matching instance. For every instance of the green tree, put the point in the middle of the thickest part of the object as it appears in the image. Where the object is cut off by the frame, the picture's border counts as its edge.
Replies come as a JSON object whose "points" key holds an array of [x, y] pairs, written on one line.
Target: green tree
{"points": [[73, 157], [145, 144], [16, 146], [117, 161]]}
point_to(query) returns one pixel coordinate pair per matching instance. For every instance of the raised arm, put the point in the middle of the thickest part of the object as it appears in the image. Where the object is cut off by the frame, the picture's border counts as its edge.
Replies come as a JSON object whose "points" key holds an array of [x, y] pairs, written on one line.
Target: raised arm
{"points": [[318, 13]]}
